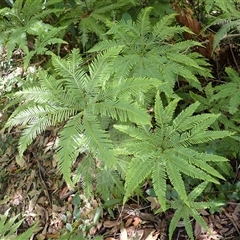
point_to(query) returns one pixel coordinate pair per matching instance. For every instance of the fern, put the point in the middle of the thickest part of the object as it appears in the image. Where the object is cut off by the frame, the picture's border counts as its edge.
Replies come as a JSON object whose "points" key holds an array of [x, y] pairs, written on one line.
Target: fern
{"points": [[9, 227], [166, 151], [230, 91], [20, 23], [221, 6], [148, 51], [79, 98], [92, 16], [184, 211], [229, 146]]}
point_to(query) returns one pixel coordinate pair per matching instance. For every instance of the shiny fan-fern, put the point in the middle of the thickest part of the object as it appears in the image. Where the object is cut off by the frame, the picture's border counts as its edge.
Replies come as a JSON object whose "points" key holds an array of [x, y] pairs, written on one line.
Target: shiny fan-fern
{"points": [[79, 98], [165, 151]]}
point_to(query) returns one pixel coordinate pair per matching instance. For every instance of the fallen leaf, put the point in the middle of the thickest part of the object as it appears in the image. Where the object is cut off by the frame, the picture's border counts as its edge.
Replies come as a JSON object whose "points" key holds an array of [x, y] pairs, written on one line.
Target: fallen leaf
{"points": [[123, 234], [152, 236], [110, 224]]}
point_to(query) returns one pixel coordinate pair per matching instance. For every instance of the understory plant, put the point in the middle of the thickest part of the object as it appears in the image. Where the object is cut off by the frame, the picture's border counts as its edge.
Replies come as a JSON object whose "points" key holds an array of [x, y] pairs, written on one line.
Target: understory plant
{"points": [[166, 150], [9, 226], [118, 115], [85, 101], [152, 50], [26, 29]]}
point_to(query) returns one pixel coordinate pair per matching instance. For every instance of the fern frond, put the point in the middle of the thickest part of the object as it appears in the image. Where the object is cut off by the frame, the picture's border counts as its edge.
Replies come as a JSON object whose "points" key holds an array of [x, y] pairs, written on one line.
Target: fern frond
{"points": [[143, 21], [68, 146], [149, 54], [98, 140], [180, 121], [229, 92], [169, 145], [174, 221], [226, 28], [137, 167], [159, 178], [183, 211], [109, 184], [123, 111], [85, 174]]}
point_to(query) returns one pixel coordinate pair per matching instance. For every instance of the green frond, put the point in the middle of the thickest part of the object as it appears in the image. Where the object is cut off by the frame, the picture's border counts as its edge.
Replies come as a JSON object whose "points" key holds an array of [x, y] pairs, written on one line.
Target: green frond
{"points": [[99, 71], [122, 165], [182, 164], [143, 21], [174, 222], [184, 59], [68, 146], [38, 94], [169, 148], [198, 218], [207, 136], [163, 25], [229, 92], [104, 45], [98, 140], [109, 184], [85, 174], [123, 111], [187, 224], [35, 127], [183, 211], [134, 132], [158, 111], [194, 158], [176, 178], [70, 70], [145, 54], [24, 114], [185, 45], [179, 122], [138, 170], [134, 86], [9, 227], [159, 183], [225, 30], [197, 191]]}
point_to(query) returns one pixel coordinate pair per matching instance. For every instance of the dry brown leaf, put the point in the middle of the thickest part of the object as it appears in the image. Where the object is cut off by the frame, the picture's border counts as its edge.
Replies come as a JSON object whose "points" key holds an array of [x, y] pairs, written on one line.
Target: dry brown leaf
{"points": [[110, 224], [136, 221], [197, 230], [128, 222], [203, 212], [154, 202], [152, 236]]}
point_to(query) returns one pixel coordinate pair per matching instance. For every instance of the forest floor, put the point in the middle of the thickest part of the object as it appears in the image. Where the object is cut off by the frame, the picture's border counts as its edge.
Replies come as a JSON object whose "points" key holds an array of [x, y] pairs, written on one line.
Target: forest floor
{"points": [[35, 188]]}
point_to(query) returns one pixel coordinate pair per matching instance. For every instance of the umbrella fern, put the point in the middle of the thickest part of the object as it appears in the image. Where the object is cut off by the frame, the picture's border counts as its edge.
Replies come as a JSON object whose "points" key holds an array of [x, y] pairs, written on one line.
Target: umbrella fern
{"points": [[78, 98], [166, 151], [148, 51]]}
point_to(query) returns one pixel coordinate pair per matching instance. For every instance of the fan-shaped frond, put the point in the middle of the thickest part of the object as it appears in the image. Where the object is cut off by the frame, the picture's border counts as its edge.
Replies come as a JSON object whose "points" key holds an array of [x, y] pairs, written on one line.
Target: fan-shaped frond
{"points": [[169, 148]]}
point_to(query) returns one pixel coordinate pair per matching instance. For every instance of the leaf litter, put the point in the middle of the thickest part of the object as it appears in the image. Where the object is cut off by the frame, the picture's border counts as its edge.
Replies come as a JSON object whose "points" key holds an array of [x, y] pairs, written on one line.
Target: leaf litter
{"points": [[34, 188]]}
